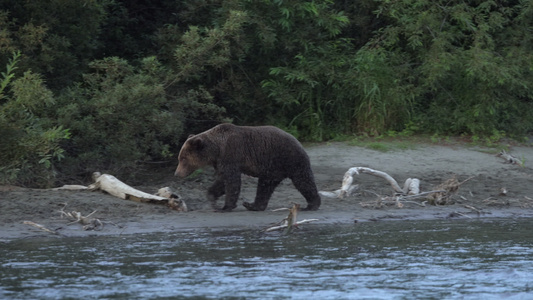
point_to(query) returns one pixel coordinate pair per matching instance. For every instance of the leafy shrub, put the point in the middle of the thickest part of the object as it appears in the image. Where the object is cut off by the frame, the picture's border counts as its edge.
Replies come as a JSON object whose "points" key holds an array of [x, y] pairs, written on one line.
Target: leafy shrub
{"points": [[120, 116], [469, 61], [29, 141]]}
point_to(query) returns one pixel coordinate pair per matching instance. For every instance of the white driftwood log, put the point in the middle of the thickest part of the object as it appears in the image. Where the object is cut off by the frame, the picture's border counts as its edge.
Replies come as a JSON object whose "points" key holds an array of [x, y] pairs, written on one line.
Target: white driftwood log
{"points": [[411, 186], [337, 193], [70, 187], [166, 192], [117, 188], [510, 159]]}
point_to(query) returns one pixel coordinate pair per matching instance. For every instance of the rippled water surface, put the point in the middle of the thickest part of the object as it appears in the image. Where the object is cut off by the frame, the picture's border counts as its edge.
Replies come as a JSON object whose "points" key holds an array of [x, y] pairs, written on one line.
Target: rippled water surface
{"points": [[450, 259]]}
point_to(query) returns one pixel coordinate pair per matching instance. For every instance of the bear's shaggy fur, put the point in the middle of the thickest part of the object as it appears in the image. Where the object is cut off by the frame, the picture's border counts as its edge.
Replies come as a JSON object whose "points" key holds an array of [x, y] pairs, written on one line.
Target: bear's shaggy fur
{"points": [[265, 152]]}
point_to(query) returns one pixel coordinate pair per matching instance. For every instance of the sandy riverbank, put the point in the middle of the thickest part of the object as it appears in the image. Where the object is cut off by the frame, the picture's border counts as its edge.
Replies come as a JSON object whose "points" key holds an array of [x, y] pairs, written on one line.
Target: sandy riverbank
{"points": [[432, 164]]}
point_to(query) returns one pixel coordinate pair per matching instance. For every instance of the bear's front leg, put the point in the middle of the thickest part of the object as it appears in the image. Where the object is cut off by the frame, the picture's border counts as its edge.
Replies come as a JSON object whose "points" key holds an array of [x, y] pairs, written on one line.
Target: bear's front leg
{"points": [[215, 191], [232, 184]]}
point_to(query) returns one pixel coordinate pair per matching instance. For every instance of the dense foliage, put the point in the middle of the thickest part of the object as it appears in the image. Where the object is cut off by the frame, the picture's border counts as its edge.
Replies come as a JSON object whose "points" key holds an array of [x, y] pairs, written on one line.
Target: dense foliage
{"points": [[106, 84]]}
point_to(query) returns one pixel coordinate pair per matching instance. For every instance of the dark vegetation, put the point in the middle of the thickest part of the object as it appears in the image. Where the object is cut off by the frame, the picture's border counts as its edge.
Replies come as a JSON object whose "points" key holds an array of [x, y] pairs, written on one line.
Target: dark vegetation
{"points": [[109, 84]]}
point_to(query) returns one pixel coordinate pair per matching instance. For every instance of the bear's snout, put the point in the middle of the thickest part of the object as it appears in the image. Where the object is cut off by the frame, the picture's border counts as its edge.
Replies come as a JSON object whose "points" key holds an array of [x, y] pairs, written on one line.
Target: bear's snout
{"points": [[181, 172]]}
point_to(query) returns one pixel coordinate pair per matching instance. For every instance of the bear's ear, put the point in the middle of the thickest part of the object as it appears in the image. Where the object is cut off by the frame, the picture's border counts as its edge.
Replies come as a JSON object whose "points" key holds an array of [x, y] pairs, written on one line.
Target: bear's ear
{"points": [[196, 143], [190, 136]]}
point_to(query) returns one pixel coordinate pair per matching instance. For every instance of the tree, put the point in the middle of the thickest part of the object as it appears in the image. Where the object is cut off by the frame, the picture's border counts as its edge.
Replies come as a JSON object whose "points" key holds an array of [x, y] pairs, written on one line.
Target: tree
{"points": [[470, 62], [56, 38]]}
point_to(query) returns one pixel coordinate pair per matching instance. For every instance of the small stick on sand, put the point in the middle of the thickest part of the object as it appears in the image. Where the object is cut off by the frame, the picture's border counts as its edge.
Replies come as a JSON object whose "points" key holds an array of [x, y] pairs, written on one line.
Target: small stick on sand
{"points": [[290, 221], [87, 222], [479, 212], [39, 226]]}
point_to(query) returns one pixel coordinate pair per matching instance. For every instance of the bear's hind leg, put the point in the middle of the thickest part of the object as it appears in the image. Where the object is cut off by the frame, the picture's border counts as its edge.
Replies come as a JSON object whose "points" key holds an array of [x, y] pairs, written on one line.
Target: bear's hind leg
{"points": [[265, 188], [305, 184]]}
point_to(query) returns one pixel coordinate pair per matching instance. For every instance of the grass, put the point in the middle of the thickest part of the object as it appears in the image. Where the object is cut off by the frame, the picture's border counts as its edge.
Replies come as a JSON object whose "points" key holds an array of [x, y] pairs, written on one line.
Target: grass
{"points": [[389, 143], [386, 144]]}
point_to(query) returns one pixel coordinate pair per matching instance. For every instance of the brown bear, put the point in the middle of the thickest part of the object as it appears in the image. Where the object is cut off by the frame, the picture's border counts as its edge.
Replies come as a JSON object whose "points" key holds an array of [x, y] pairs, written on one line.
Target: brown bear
{"points": [[265, 152]]}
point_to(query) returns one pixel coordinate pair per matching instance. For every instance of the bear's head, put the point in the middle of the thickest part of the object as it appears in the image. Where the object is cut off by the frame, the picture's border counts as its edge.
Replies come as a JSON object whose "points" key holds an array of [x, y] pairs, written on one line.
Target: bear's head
{"points": [[194, 154]]}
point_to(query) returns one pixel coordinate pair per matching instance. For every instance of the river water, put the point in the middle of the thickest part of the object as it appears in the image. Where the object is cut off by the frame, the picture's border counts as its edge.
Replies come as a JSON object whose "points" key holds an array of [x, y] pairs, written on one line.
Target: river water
{"points": [[443, 259]]}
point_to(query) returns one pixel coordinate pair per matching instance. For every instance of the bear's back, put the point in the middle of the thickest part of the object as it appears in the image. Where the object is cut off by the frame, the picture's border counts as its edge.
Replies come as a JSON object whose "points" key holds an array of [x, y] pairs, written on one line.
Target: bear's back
{"points": [[259, 138], [261, 150]]}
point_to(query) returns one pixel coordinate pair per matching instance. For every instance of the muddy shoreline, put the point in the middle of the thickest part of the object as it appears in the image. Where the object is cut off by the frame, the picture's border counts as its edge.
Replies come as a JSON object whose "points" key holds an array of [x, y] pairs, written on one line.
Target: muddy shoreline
{"points": [[432, 164]]}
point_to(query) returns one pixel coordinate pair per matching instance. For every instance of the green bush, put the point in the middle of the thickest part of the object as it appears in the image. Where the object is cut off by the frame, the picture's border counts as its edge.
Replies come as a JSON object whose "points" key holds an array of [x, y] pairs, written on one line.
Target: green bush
{"points": [[121, 115], [320, 69], [29, 141], [469, 60]]}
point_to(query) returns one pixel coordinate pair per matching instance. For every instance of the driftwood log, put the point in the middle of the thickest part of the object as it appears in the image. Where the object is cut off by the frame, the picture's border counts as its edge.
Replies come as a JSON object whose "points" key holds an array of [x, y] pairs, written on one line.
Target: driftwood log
{"points": [[410, 187], [117, 188], [410, 190], [510, 159], [70, 187], [445, 190]]}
